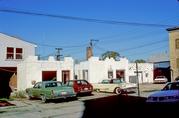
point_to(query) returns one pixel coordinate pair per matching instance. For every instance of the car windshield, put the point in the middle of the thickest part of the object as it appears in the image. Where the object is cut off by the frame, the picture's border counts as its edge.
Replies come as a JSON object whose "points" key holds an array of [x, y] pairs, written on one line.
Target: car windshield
{"points": [[105, 82], [171, 86], [53, 84], [69, 83], [118, 81]]}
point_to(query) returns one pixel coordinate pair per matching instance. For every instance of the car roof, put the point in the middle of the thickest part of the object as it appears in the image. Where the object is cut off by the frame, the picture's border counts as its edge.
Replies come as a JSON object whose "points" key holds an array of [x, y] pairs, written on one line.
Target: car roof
{"points": [[49, 81], [78, 80], [173, 82]]}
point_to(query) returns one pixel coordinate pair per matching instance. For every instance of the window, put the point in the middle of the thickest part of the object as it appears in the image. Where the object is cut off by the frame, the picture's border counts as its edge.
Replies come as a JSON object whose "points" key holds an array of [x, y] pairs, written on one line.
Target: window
{"points": [[10, 53], [110, 74], [14, 53], [146, 74], [85, 74], [19, 53], [38, 85], [177, 43], [84, 82]]}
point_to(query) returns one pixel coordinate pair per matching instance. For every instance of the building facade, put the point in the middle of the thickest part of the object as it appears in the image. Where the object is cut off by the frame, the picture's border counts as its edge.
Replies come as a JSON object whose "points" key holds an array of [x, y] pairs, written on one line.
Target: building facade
{"points": [[145, 72], [95, 70], [13, 51], [174, 51], [32, 70]]}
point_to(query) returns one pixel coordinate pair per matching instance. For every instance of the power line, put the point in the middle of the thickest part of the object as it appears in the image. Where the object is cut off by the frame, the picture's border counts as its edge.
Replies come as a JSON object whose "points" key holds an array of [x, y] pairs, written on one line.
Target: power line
{"points": [[146, 51], [65, 46], [144, 45], [112, 22], [135, 47]]}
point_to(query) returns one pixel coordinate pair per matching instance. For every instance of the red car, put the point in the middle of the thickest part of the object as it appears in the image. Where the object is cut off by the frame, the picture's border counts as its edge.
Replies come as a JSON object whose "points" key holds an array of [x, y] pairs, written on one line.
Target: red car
{"points": [[80, 86]]}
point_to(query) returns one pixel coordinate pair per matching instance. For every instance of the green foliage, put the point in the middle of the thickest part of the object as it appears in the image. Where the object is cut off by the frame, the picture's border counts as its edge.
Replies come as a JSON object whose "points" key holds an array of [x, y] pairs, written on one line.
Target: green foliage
{"points": [[110, 54], [140, 61], [19, 94]]}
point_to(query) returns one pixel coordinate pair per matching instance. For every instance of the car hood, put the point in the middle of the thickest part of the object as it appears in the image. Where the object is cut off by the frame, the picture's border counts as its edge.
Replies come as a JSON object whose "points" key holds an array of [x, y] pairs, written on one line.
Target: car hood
{"points": [[165, 93]]}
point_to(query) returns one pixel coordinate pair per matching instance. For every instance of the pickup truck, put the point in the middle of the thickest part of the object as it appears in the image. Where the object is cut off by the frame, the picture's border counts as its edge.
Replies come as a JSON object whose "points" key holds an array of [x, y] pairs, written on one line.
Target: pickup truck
{"points": [[50, 90], [114, 85]]}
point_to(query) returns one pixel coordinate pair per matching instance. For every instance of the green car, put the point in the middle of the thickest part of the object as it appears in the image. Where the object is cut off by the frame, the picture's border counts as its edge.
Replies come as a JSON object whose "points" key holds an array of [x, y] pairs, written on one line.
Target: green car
{"points": [[50, 90]]}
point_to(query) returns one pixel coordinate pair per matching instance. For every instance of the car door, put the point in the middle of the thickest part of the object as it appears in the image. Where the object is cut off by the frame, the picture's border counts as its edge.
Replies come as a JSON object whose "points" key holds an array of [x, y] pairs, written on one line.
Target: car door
{"points": [[79, 85], [36, 91], [105, 86], [84, 86]]}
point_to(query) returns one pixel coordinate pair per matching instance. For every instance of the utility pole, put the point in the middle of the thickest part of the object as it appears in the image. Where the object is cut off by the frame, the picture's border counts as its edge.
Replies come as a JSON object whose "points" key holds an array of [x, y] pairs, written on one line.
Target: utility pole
{"points": [[91, 42], [58, 55], [137, 74]]}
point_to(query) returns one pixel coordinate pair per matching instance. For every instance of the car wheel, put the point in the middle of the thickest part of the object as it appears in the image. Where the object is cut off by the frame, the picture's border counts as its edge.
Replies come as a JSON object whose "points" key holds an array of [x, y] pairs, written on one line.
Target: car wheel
{"points": [[44, 99], [118, 90], [29, 97]]}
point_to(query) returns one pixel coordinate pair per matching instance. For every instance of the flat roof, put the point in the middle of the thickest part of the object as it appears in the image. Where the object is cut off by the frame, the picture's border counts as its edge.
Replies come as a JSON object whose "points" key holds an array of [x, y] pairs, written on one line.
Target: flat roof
{"points": [[173, 28]]}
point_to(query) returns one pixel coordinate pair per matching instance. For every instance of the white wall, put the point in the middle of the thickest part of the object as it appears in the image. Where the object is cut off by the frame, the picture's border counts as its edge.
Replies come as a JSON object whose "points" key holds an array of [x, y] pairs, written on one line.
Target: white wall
{"points": [[98, 69], [9, 41], [145, 72], [31, 69]]}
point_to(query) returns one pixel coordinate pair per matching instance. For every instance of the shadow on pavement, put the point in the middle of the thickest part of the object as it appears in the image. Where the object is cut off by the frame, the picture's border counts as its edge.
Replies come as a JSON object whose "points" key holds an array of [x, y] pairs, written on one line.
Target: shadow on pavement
{"points": [[120, 106]]}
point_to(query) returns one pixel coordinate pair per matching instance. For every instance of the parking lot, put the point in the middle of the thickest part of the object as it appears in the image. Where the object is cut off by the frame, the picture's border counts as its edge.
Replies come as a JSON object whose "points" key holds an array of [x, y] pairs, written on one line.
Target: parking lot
{"points": [[62, 108]]}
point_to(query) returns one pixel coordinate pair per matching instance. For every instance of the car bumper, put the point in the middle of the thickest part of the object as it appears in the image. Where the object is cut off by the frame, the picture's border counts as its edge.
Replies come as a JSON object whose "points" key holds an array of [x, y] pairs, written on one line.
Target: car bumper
{"points": [[63, 96], [132, 89]]}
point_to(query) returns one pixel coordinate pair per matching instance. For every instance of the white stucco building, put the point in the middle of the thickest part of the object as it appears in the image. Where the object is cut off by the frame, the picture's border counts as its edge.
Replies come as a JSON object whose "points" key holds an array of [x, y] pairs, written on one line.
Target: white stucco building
{"points": [[145, 72], [14, 50], [95, 70], [32, 69]]}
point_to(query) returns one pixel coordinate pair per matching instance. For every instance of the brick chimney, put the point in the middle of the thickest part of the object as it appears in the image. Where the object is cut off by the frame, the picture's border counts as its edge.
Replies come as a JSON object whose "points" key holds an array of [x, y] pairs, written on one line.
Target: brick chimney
{"points": [[89, 52]]}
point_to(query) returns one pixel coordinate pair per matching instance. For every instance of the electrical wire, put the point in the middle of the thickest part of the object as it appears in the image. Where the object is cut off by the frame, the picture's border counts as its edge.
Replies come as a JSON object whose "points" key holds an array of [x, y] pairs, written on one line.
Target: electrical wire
{"points": [[84, 19]]}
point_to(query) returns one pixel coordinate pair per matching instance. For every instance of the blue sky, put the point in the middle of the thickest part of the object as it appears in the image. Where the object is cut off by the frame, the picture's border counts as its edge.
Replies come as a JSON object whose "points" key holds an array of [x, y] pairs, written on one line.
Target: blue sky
{"points": [[125, 39]]}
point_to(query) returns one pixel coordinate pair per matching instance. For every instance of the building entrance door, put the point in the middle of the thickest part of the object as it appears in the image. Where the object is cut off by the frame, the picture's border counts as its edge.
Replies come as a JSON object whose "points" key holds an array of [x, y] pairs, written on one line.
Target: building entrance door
{"points": [[65, 76]]}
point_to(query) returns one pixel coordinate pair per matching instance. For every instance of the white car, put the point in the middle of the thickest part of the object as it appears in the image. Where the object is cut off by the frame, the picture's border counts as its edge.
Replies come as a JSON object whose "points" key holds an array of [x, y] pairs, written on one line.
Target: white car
{"points": [[170, 94], [114, 85], [160, 79]]}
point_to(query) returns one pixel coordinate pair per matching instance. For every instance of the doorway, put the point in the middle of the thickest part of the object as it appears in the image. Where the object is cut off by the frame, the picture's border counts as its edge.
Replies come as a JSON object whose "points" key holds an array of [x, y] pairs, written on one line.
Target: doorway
{"points": [[65, 76], [49, 75], [120, 74]]}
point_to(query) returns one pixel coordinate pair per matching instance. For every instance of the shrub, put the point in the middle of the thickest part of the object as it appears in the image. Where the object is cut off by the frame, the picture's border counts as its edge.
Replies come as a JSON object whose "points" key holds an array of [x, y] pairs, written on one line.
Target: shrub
{"points": [[19, 94]]}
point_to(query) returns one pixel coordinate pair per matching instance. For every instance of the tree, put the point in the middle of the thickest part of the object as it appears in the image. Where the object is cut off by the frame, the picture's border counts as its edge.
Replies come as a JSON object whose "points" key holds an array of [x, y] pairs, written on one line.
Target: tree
{"points": [[140, 61], [110, 54]]}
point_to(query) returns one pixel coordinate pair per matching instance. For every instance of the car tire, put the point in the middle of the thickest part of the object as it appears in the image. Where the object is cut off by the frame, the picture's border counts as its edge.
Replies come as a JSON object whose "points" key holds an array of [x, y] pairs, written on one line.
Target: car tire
{"points": [[118, 91], [29, 97], [43, 98]]}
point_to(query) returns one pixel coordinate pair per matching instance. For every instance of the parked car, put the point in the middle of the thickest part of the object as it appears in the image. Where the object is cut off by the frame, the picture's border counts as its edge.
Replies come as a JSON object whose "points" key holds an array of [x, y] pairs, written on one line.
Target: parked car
{"points": [[170, 94], [115, 85], [80, 86], [50, 90], [160, 79]]}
